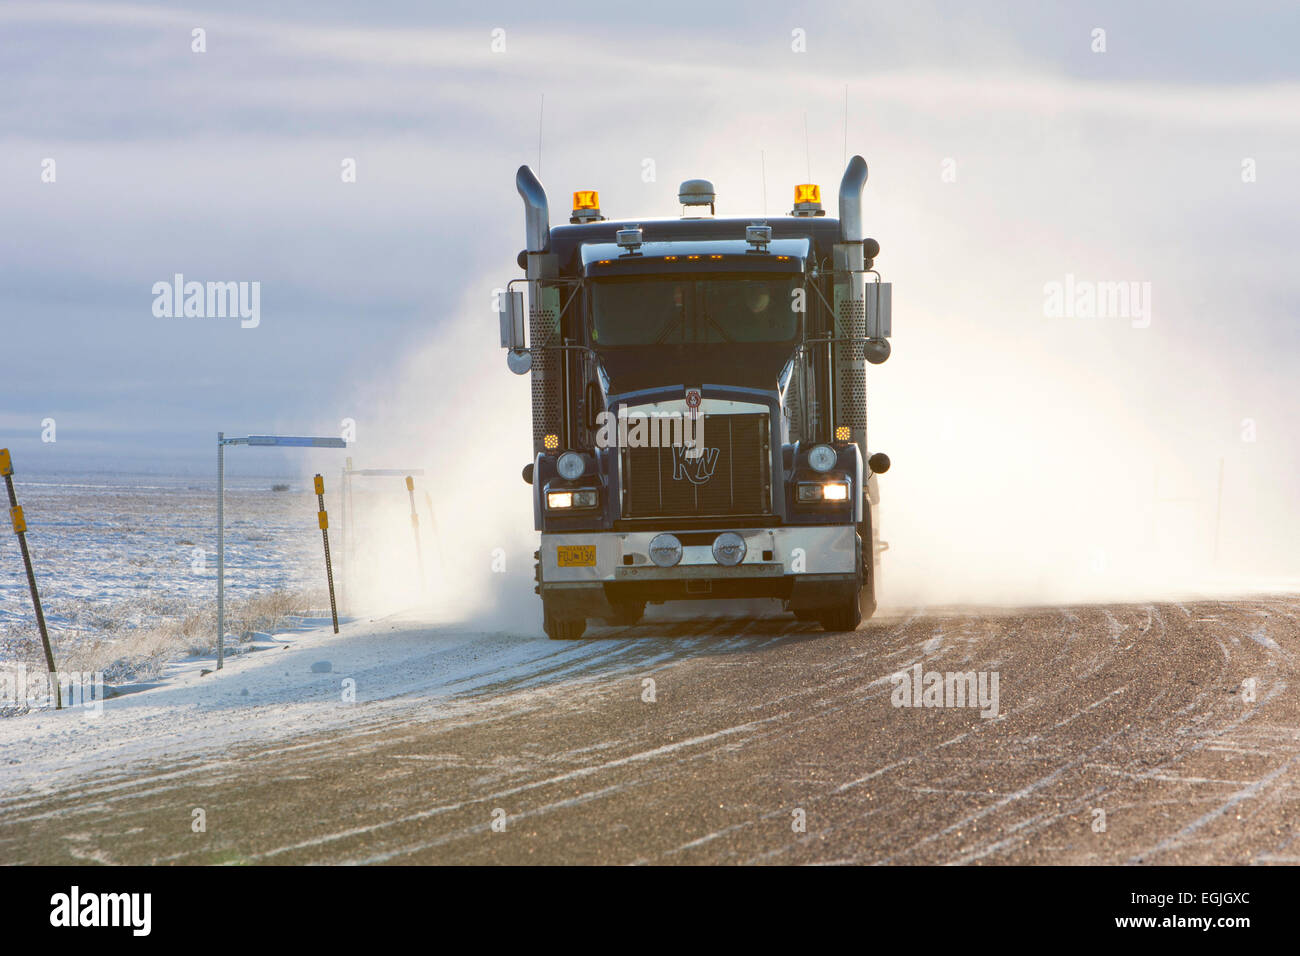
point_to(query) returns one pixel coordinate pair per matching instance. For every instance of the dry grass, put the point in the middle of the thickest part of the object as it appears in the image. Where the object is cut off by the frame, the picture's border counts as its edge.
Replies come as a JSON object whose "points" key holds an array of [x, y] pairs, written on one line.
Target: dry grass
{"points": [[125, 653]]}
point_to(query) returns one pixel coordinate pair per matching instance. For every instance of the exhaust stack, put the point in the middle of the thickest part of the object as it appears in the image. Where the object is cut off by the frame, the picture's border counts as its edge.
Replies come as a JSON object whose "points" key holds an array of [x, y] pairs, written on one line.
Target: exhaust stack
{"points": [[855, 177], [537, 214]]}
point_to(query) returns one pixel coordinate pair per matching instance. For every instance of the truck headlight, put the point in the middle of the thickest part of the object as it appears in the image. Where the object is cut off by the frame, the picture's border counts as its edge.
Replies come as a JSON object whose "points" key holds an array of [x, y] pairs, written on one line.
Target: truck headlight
{"points": [[812, 491], [577, 498], [821, 458], [570, 466]]}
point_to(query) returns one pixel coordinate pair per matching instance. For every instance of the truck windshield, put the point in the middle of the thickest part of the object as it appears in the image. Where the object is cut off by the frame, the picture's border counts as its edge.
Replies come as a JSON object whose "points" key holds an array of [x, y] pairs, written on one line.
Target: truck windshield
{"points": [[693, 310]]}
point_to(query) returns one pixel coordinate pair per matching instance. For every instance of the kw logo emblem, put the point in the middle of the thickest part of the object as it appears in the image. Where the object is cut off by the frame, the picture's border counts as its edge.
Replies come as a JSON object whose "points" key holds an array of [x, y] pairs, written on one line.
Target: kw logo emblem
{"points": [[698, 469]]}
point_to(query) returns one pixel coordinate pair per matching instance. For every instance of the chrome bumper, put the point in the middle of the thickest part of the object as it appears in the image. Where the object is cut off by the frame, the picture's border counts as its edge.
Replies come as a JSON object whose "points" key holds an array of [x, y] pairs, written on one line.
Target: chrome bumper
{"points": [[769, 552]]}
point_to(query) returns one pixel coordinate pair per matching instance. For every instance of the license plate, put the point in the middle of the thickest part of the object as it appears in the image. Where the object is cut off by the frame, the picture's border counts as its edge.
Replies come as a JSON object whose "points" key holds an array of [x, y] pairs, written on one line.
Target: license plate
{"points": [[575, 555]]}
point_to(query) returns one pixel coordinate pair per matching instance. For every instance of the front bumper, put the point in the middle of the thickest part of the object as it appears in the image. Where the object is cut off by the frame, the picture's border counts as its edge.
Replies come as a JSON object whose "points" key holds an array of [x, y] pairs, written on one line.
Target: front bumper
{"points": [[805, 567], [624, 556]]}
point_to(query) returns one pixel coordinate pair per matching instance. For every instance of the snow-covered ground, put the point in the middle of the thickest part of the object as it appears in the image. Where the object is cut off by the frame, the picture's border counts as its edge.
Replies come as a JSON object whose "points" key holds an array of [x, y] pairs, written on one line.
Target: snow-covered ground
{"points": [[119, 558], [127, 565], [301, 681], [116, 553]]}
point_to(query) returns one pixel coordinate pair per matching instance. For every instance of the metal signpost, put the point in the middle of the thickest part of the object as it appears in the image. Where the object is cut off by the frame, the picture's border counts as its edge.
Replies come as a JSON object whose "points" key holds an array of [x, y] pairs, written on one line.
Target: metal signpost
{"points": [[255, 441]]}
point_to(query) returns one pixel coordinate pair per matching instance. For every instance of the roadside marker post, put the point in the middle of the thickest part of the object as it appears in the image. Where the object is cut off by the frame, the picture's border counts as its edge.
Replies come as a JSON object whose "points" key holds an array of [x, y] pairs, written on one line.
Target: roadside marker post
{"points": [[433, 529], [415, 528], [350, 528], [324, 521], [253, 441], [20, 529]]}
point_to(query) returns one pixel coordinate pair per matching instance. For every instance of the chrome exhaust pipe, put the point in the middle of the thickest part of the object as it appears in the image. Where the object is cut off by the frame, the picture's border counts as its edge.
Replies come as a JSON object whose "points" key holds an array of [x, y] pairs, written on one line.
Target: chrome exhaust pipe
{"points": [[536, 213], [855, 177]]}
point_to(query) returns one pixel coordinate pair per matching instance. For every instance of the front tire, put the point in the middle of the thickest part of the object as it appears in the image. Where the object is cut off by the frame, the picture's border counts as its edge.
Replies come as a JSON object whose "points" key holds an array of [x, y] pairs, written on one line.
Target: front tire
{"points": [[848, 615], [870, 555], [562, 626], [846, 618]]}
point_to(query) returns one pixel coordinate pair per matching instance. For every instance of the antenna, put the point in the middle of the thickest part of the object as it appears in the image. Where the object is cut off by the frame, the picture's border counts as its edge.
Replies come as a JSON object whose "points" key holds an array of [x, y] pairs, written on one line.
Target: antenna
{"points": [[846, 124], [806, 154], [762, 161], [541, 110]]}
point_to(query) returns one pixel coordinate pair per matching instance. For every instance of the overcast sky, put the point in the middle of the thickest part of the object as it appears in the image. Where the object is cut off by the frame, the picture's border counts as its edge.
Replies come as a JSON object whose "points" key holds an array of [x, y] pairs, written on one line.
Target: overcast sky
{"points": [[225, 166]]}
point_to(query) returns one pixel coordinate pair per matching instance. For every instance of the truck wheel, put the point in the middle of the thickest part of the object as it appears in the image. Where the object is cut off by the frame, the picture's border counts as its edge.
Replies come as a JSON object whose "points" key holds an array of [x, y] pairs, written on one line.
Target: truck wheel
{"points": [[626, 613], [848, 615], [562, 627], [846, 618], [870, 564]]}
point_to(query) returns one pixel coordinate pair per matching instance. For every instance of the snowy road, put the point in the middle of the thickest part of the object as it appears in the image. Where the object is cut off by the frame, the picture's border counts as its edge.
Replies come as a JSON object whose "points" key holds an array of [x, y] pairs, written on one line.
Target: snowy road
{"points": [[1159, 733]]}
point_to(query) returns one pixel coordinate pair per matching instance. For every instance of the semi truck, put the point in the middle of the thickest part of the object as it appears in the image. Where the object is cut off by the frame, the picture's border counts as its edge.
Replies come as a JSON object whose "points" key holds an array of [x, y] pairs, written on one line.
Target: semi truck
{"points": [[699, 412]]}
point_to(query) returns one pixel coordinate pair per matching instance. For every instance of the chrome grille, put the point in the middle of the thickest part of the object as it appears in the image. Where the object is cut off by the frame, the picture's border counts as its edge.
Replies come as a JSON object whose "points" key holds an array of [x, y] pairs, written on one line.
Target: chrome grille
{"points": [[733, 477]]}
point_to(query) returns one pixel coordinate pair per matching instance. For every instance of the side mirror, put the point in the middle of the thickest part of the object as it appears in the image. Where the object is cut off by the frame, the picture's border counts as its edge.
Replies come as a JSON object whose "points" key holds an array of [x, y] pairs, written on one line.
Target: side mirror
{"points": [[879, 307], [878, 463], [511, 313]]}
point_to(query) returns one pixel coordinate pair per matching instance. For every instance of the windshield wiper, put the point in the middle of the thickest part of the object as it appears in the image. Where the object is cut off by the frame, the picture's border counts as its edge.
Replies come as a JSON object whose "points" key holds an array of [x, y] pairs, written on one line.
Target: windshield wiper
{"points": [[669, 328], [709, 321]]}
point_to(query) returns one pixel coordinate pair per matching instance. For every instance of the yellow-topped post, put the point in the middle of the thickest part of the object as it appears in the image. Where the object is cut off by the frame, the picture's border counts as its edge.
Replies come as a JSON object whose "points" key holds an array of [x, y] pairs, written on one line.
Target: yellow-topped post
{"points": [[20, 529], [323, 520]]}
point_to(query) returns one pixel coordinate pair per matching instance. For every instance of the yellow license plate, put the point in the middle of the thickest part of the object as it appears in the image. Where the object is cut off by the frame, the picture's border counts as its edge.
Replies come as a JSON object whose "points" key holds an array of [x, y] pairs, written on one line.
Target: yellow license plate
{"points": [[575, 555]]}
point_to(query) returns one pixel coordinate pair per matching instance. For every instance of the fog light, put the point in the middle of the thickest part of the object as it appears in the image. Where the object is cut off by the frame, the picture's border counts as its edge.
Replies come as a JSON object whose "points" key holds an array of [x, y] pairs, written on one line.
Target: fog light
{"points": [[559, 499], [729, 549], [665, 550]]}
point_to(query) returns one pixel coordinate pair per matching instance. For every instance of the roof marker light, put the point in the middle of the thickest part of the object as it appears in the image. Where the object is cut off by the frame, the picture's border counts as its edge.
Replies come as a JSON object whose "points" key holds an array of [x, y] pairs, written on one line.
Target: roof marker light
{"points": [[586, 207], [807, 200]]}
